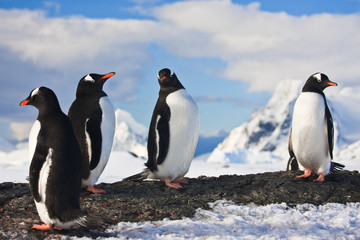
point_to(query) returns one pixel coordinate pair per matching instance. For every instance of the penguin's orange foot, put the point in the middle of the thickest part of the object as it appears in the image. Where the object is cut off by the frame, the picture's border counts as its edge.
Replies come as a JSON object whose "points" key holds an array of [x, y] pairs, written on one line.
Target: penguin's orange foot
{"points": [[42, 227], [182, 180], [95, 190], [321, 178], [175, 185], [306, 174]]}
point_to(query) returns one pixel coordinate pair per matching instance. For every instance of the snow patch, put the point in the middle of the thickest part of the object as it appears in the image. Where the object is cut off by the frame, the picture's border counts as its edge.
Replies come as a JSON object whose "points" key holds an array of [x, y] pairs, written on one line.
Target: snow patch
{"points": [[225, 220]]}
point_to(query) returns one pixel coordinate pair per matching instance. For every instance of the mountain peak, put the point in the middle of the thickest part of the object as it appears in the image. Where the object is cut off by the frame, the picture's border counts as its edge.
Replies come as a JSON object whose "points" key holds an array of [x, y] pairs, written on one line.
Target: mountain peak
{"points": [[268, 128]]}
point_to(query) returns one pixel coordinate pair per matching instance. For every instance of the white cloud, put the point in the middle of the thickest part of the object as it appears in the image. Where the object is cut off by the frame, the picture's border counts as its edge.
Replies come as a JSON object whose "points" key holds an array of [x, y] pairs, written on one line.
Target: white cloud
{"points": [[263, 48], [258, 47], [61, 42], [20, 130]]}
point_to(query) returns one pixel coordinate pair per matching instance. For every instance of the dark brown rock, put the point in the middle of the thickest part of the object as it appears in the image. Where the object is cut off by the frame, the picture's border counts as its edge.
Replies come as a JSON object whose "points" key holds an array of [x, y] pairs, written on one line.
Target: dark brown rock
{"points": [[150, 201]]}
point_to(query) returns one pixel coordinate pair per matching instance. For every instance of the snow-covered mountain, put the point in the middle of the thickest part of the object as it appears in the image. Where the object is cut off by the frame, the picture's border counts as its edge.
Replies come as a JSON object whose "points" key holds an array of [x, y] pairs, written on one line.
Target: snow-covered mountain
{"points": [[130, 135], [267, 129], [265, 136]]}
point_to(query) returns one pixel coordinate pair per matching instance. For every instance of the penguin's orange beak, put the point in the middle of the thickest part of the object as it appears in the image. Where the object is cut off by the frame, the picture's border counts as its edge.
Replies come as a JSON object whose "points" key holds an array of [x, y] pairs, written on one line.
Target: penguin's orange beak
{"points": [[23, 103], [332, 84], [109, 75]]}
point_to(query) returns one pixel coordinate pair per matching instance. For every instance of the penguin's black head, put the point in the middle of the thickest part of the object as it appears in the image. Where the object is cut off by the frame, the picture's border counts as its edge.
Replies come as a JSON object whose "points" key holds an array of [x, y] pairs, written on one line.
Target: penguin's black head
{"points": [[168, 79], [93, 83], [42, 98], [317, 83]]}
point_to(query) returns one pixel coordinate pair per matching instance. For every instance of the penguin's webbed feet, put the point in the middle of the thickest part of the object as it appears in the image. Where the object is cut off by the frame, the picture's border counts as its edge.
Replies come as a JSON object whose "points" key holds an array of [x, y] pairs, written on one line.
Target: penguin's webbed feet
{"points": [[175, 185], [182, 180], [306, 174], [95, 190], [321, 178], [42, 227]]}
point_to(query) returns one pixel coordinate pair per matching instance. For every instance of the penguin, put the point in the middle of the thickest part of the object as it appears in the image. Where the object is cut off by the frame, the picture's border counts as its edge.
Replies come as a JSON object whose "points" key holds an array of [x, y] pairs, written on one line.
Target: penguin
{"points": [[93, 119], [311, 139], [55, 169], [173, 133]]}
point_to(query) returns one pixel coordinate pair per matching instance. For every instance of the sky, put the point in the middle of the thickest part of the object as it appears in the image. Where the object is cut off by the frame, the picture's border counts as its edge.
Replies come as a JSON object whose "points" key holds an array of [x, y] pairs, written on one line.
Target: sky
{"points": [[229, 55]]}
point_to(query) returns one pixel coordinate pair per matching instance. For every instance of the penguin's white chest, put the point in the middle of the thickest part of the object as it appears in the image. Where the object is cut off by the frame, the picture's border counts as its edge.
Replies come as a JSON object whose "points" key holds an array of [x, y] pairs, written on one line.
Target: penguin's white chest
{"points": [[33, 138], [309, 133], [107, 133], [184, 127]]}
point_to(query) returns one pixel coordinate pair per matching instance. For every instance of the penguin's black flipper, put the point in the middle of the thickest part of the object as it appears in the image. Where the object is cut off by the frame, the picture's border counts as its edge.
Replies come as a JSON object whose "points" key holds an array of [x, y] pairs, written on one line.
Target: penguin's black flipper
{"points": [[36, 164], [163, 130], [292, 164], [94, 131], [330, 127], [159, 137], [336, 167], [140, 176]]}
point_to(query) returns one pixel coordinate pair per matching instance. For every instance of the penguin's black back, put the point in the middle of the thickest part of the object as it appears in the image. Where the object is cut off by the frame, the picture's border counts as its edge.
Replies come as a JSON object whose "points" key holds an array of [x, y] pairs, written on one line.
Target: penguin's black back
{"points": [[64, 181], [64, 178]]}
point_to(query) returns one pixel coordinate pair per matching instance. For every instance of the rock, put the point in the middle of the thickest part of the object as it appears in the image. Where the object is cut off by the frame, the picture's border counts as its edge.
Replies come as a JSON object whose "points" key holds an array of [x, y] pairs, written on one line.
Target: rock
{"points": [[152, 200]]}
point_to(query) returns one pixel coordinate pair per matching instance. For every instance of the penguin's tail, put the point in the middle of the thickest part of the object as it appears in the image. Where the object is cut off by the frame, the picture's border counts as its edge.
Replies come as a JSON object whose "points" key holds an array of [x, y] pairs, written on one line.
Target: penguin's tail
{"points": [[336, 167], [93, 221], [140, 176]]}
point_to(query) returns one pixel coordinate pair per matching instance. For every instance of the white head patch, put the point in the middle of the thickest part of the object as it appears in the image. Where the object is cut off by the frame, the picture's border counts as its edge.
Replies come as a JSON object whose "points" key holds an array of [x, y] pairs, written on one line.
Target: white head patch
{"points": [[318, 76], [34, 92], [89, 78]]}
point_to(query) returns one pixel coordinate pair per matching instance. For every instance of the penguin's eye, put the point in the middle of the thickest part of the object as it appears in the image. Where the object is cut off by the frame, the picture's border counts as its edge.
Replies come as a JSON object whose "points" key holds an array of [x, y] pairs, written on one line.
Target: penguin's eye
{"points": [[319, 80]]}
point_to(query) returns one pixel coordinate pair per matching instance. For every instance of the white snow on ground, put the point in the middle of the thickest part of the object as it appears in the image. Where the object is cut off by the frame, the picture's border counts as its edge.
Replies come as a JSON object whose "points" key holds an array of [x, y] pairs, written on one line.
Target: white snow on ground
{"points": [[226, 220]]}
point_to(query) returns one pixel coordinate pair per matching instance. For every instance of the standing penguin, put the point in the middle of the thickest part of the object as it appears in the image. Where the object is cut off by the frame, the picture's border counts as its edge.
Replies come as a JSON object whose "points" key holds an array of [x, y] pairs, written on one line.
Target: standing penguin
{"points": [[311, 140], [93, 119], [55, 169], [173, 133]]}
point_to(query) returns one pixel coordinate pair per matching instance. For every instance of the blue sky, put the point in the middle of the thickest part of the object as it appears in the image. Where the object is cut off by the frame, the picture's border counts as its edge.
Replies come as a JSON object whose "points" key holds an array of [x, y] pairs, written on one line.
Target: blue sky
{"points": [[230, 55], [125, 8]]}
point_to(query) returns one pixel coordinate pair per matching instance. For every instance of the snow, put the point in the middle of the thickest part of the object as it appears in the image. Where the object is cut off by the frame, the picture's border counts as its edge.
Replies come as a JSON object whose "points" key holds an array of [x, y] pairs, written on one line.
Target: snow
{"points": [[226, 220], [257, 146]]}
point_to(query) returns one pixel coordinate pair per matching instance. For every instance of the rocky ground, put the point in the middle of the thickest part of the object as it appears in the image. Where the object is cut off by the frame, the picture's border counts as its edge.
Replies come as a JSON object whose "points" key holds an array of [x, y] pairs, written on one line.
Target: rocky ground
{"points": [[144, 201]]}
